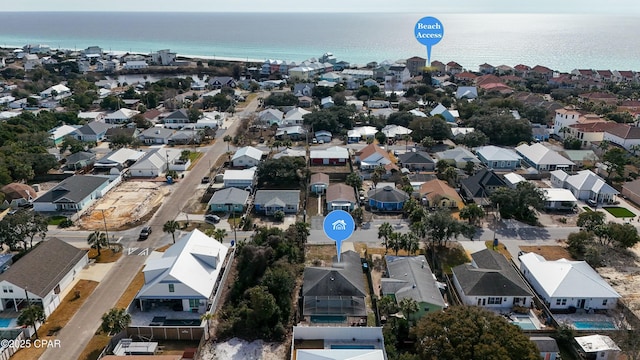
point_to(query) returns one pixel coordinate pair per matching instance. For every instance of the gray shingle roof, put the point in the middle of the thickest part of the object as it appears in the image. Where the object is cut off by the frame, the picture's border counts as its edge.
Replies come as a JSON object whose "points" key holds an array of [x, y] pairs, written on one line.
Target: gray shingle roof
{"points": [[388, 194], [419, 157], [493, 276], [411, 277], [229, 196], [180, 114], [343, 279], [476, 185], [289, 197], [94, 128], [44, 267], [72, 189]]}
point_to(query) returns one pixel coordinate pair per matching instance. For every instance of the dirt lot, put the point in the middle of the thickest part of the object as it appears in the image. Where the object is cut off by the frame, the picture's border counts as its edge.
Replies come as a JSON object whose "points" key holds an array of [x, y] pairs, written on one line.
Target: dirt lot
{"points": [[623, 273], [125, 206], [549, 252]]}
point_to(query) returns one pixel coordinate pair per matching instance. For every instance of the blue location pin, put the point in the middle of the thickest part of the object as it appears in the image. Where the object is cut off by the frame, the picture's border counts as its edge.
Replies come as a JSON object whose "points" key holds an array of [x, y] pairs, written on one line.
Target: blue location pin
{"points": [[429, 31], [339, 226]]}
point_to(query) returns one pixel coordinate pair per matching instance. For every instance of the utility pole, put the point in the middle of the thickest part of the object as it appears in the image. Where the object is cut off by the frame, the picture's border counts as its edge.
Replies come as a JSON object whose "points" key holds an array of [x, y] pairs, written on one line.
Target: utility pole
{"points": [[104, 220]]}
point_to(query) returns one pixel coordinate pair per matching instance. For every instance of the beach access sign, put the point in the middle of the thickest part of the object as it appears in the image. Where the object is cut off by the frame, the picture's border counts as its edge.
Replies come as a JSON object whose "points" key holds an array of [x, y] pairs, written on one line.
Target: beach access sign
{"points": [[339, 226], [429, 31]]}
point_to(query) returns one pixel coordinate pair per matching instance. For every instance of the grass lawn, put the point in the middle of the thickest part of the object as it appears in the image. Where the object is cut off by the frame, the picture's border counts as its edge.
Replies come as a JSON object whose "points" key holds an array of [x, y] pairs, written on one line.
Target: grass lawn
{"points": [[194, 156], [500, 248], [452, 256], [620, 212], [106, 255], [56, 220], [60, 317], [587, 208]]}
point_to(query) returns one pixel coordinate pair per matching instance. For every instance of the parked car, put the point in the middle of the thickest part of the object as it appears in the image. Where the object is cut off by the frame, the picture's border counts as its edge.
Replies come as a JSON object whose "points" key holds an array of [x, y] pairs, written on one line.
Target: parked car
{"points": [[144, 233], [592, 202], [205, 180], [212, 219]]}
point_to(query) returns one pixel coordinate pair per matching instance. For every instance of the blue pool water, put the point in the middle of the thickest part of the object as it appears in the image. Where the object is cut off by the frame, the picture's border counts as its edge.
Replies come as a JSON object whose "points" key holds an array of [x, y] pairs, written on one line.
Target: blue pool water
{"points": [[328, 319], [594, 325], [352, 347], [525, 323], [7, 322]]}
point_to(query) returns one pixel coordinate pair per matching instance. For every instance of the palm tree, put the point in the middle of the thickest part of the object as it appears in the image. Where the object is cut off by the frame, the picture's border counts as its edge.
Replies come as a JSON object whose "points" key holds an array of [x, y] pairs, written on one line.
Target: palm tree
{"points": [[227, 139], [209, 232], [384, 232], [31, 315], [98, 240], [396, 241], [170, 227], [115, 321], [220, 234], [409, 306], [410, 243]]}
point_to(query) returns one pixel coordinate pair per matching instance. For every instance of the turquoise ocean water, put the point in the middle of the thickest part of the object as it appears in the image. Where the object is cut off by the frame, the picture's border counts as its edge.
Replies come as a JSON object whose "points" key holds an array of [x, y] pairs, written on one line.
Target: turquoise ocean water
{"points": [[562, 42]]}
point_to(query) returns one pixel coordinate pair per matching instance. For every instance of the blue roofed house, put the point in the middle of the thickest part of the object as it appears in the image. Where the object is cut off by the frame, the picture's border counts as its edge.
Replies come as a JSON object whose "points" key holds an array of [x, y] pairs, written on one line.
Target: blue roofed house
{"points": [[387, 198], [497, 158], [467, 92], [73, 194], [444, 112], [410, 277], [271, 201], [229, 200]]}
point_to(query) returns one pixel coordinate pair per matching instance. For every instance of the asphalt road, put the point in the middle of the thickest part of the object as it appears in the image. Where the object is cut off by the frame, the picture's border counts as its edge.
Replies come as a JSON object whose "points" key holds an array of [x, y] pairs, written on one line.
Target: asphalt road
{"points": [[81, 328]]}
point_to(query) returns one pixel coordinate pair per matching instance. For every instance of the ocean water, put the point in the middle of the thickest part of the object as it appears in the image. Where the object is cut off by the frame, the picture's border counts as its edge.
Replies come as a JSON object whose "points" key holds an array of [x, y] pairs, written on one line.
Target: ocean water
{"points": [[561, 42]]}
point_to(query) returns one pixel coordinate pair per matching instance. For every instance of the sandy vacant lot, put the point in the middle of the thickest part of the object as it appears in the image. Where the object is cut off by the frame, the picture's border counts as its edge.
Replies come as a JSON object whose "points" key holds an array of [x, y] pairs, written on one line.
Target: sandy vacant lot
{"points": [[237, 349], [125, 206], [623, 273]]}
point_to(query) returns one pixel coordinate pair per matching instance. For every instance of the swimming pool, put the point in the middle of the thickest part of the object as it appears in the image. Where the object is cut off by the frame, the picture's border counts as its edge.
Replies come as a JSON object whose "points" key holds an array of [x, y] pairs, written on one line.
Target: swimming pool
{"points": [[8, 323], [328, 319], [525, 323], [594, 325]]}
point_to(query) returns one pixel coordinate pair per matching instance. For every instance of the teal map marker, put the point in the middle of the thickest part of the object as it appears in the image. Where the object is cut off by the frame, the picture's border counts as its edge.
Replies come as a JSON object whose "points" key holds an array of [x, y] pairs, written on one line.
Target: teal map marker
{"points": [[429, 31], [339, 226]]}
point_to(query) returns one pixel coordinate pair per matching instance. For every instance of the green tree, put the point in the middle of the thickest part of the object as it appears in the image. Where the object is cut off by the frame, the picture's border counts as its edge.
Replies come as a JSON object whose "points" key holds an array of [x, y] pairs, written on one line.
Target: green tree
{"points": [[354, 180], [395, 242], [98, 240], [384, 233], [442, 227], [519, 203], [74, 145], [381, 137], [590, 220], [115, 321], [470, 332], [170, 227], [615, 159], [410, 242], [279, 216], [387, 306], [472, 139], [358, 215], [623, 235], [428, 142], [435, 127], [409, 306], [578, 243], [284, 171], [227, 139], [472, 213], [220, 234], [30, 316]]}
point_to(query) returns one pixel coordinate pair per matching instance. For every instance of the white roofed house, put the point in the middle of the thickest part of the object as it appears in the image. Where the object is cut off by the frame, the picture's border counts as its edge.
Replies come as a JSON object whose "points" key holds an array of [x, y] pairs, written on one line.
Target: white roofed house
{"points": [[542, 158], [295, 116], [396, 131], [59, 133], [178, 287], [242, 179], [135, 64], [31, 61], [559, 199], [600, 347], [271, 116], [497, 158], [584, 185], [121, 116], [156, 135], [246, 157], [563, 284], [334, 155], [158, 161], [120, 159], [56, 92]]}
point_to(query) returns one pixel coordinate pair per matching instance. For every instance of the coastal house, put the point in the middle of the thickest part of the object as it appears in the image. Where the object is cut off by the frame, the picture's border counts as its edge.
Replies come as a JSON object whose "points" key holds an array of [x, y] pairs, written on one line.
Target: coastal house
{"points": [[290, 153], [218, 82], [417, 161], [178, 287], [295, 133], [156, 135], [458, 157], [229, 200], [31, 61], [59, 133], [563, 284], [56, 92], [585, 185], [600, 347], [480, 186], [589, 134], [121, 116], [17, 194], [319, 183], [335, 294], [566, 117], [416, 65], [467, 92], [163, 57], [42, 276], [444, 112], [159, 161], [241, 179], [387, 198], [490, 281], [543, 158], [337, 342], [453, 68], [91, 116], [73, 194], [334, 155], [295, 116], [177, 119], [497, 158], [625, 135], [79, 160], [135, 65], [396, 131], [271, 116], [271, 201], [559, 199], [409, 277], [303, 89], [547, 347], [129, 132], [119, 159], [246, 157], [341, 196], [323, 136], [372, 156], [438, 194], [361, 132], [513, 179], [92, 132]]}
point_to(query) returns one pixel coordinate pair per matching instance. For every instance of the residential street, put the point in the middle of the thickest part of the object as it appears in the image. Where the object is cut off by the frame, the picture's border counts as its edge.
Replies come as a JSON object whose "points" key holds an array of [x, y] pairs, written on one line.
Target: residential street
{"points": [[77, 333]]}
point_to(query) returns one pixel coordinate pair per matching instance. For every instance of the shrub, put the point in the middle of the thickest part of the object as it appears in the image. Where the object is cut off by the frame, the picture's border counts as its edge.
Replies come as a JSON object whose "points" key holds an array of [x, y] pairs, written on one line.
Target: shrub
{"points": [[279, 215], [65, 223]]}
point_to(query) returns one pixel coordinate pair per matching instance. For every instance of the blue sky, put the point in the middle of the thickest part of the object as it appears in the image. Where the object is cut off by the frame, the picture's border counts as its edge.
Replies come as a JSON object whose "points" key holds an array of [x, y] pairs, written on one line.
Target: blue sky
{"points": [[631, 7]]}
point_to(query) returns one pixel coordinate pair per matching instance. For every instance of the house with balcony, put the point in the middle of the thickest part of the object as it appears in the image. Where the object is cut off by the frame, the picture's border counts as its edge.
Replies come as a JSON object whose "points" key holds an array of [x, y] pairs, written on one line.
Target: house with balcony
{"points": [[74, 194], [542, 158], [497, 158], [585, 185]]}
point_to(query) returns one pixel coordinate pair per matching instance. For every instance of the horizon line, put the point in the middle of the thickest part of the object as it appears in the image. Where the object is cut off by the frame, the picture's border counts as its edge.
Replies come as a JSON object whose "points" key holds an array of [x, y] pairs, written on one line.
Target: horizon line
{"points": [[449, 12]]}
